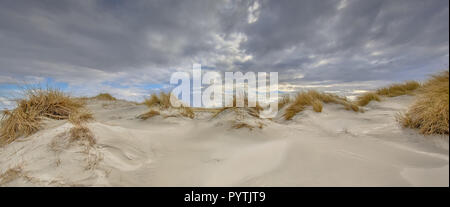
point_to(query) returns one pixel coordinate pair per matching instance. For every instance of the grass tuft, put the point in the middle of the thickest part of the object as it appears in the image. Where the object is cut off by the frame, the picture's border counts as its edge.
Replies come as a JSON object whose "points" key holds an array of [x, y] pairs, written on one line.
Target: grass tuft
{"points": [[292, 110], [430, 112], [10, 174], [316, 100], [317, 105], [394, 90], [240, 125], [149, 114], [105, 97], [162, 101], [187, 112], [254, 111], [366, 98], [26, 118], [399, 89], [283, 102], [80, 116], [80, 133]]}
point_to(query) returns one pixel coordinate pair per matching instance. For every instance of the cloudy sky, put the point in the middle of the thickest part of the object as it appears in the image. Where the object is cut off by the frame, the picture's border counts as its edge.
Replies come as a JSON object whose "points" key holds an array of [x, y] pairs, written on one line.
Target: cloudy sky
{"points": [[130, 48]]}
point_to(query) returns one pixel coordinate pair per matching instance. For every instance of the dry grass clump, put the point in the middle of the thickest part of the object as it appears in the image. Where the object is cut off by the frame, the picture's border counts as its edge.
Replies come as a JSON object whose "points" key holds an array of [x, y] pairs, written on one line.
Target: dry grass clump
{"points": [[80, 116], [149, 114], [152, 101], [366, 98], [283, 102], [257, 107], [430, 112], [317, 105], [105, 97], [254, 111], [10, 174], [80, 133], [240, 125], [219, 111], [316, 100], [163, 100], [393, 90], [187, 112], [292, 110], [26, 118], [399, 89]]}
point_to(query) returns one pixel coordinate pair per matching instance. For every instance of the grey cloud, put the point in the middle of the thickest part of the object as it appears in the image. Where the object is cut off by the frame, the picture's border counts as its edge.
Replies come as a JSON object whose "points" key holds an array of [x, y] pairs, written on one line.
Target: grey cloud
{"points": [[107, 35], [144, 41], [403, 33]]}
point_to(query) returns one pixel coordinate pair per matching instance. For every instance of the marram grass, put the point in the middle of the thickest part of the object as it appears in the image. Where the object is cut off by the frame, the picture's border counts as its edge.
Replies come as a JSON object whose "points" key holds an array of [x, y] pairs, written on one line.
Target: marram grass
{"points": [[430, 112]]}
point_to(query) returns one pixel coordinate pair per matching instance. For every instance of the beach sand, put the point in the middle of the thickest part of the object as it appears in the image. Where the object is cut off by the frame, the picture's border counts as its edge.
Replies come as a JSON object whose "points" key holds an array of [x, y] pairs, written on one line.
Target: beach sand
{"points": [[332, 148]]}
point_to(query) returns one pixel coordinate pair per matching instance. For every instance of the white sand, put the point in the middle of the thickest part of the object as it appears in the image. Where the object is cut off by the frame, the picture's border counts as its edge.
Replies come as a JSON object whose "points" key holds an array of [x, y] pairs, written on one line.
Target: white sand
{"points": [[332, 148]]}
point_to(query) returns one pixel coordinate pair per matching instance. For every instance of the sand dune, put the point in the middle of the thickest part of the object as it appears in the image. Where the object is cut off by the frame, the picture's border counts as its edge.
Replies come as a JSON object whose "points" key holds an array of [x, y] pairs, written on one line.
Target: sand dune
{"points": [[333, 148]]}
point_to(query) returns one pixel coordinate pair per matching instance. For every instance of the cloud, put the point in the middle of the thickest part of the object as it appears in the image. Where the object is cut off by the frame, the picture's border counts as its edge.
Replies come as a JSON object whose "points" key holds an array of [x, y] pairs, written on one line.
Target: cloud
{"points": [[351, 40], [6, 103], [123, 46]]}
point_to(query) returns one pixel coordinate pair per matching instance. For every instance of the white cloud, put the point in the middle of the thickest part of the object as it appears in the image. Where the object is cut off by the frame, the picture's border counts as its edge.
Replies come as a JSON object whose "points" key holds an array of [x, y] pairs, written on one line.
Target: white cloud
{"points": [[7, 80], [253, 12], [5, 103], [342, 4]]}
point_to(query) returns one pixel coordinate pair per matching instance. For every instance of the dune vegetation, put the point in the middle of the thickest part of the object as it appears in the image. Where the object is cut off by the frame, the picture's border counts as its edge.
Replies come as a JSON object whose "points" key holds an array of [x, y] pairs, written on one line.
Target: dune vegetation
{"points": [[105, 97], [316, 100], [366, 98], [430, 112], [82, 134], [399, 89], [162, 102], [11, 174], [257, 106], [283, 101], [394, 90], [253, 110], [187, 111], [38, 104], [149, 114]]}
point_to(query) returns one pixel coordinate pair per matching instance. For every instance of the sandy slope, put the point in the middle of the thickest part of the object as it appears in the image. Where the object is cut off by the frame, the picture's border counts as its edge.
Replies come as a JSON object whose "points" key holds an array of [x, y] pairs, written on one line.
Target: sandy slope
{"points": [[332, 148]]}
